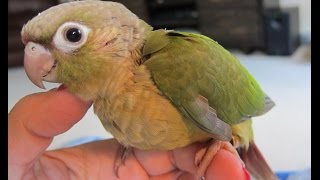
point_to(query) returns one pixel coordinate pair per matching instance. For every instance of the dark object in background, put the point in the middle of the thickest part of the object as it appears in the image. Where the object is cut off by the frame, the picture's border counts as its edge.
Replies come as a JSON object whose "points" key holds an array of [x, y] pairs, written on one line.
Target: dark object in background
{"points": [[19, 12], [172, 14], [138, 7], [282, 31], [236, 24], [247, 25]]}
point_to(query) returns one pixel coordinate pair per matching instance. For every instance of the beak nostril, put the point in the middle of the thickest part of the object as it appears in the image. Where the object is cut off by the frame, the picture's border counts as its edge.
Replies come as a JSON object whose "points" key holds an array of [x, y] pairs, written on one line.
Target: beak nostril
{"points": [[33, 48]]}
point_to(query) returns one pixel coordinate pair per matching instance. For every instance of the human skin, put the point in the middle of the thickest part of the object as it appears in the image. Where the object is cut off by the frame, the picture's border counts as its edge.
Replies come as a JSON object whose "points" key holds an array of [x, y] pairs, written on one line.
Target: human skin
{"points": [[37, 118]]}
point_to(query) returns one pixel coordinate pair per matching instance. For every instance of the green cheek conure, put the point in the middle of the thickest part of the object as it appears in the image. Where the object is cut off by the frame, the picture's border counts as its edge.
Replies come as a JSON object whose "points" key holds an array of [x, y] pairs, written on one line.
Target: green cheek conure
{"points": [[151, 89]]}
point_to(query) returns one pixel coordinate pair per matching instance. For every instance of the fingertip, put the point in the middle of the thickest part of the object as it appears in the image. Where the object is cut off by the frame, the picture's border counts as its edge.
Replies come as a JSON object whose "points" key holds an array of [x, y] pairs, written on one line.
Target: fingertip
{"points": [[226, 166], [70, 98], [50, 113]]}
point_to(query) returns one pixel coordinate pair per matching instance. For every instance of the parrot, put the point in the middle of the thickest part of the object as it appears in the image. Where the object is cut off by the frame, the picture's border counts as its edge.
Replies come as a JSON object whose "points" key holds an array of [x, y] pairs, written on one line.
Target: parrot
{"points": [[152, 89]]}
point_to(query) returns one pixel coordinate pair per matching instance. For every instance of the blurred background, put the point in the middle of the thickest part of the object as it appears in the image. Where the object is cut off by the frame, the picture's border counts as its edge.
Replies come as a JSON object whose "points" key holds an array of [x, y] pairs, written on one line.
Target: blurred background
{"points": [[270, 37], [274, 27]]}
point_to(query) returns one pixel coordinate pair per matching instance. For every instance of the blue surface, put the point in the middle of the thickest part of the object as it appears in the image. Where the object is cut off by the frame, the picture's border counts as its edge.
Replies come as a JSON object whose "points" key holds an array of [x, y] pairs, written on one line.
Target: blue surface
{"points": [[295, 175], [83, 140]]}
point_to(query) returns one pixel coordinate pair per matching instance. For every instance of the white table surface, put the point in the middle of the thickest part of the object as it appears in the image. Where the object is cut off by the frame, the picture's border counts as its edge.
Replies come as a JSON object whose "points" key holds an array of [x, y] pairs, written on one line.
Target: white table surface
{"points": [[283, 134]]}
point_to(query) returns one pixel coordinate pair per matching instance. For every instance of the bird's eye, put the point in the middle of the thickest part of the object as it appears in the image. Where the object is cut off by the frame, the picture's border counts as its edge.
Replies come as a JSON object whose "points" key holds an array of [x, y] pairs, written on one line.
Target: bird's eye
{"points": [[71, 36]]}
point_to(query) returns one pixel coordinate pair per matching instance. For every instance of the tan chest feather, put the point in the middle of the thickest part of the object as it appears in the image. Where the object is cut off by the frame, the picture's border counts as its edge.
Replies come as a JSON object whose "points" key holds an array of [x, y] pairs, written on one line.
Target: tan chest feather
{"points": [[141, 117]]}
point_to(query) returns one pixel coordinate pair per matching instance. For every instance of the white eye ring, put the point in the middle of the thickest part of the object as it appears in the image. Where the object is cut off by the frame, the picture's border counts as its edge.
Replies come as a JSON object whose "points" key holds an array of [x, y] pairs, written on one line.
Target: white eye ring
{"points": [[67, 44]]}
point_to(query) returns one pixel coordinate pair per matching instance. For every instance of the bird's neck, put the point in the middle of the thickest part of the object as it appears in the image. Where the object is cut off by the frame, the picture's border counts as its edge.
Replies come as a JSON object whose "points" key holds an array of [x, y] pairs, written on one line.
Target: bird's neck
{"points": [[118, 80]]}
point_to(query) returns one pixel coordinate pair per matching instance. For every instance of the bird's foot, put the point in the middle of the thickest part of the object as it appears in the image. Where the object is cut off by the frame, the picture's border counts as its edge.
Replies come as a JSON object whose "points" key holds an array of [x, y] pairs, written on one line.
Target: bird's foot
{"points": [[205, 155], [122, 154]]}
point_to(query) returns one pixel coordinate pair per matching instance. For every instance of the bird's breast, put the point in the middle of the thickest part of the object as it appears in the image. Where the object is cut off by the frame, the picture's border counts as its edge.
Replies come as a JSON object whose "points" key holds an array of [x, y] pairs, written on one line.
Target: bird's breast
{"points": [[143, 118]]}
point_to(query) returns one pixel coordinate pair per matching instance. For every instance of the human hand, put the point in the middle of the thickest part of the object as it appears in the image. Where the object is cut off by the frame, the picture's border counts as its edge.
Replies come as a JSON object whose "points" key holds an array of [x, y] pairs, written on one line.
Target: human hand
{"points": [[37, 118]]}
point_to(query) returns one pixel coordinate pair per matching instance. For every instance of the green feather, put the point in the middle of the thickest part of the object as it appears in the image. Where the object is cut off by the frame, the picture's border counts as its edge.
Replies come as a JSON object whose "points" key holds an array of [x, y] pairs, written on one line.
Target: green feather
{"points": [[186, 65]]}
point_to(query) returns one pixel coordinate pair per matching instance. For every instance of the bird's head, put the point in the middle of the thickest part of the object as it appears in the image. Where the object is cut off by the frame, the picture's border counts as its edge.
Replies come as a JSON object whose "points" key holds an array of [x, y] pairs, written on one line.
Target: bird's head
{"points": [[72, 43]]}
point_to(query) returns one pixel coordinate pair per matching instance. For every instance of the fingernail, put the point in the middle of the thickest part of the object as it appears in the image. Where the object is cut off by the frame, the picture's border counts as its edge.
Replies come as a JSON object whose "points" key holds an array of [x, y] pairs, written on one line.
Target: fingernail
{"points": [[61, 87], [246, 174]]}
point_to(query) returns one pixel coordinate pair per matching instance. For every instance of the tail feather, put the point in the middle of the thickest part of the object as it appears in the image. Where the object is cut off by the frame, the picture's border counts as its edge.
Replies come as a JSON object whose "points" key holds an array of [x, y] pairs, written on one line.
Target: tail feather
{"points": [[256, 163]]}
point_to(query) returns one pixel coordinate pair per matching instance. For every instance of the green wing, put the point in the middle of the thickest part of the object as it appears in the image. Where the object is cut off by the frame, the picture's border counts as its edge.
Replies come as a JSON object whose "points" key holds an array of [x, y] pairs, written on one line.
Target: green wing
{"points": [[203, 80]]}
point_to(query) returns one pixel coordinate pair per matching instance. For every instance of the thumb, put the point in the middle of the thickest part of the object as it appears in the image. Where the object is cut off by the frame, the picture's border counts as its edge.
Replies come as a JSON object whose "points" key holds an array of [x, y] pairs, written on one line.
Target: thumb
{"points": [[37, 118]]}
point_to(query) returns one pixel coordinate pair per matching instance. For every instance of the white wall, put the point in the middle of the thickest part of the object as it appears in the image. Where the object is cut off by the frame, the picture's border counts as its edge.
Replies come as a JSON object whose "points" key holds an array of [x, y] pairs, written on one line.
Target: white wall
{"points": [[304, 13]]}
